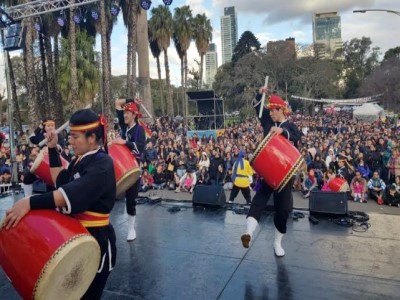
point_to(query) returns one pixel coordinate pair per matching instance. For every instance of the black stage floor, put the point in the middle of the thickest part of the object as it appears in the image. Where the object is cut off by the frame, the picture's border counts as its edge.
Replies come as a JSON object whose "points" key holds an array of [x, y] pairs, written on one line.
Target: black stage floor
{"points": [[196, 253]]}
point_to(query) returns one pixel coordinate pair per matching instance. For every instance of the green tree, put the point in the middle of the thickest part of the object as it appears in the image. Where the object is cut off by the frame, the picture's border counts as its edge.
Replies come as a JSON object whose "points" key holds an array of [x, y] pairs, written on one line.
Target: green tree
{"points": [[160, 26], [392, 52], [246, 44], [202, 31], [182, 35], [359, 61]]}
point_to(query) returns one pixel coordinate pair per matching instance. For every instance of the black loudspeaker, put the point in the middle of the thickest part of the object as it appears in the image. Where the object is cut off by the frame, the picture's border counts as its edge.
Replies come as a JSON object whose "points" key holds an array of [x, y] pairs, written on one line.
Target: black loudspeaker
{"points": [[334, 203], [209, 195]]}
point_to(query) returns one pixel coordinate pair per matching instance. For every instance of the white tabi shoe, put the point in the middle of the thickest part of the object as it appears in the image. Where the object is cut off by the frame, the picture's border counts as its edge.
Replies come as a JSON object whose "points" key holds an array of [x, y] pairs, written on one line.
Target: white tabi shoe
{"points": [[131, 228], [277, 244]]}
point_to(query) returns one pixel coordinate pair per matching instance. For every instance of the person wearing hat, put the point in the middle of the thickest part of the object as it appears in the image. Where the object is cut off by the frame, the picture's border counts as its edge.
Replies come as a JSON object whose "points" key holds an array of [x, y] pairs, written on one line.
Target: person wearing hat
{"points": [[274, 122], [241, 172], [134, 137], [27, 177], [85, 190]]}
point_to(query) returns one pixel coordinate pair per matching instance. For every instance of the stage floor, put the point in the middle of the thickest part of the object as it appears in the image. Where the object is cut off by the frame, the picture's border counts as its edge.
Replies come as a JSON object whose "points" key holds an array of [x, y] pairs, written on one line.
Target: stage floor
{"points": [[196, 253]]}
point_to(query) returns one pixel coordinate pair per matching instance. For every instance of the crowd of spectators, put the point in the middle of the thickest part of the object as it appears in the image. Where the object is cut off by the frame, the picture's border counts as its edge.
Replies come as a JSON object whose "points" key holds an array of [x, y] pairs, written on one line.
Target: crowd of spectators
{"points": [[365, 154]]}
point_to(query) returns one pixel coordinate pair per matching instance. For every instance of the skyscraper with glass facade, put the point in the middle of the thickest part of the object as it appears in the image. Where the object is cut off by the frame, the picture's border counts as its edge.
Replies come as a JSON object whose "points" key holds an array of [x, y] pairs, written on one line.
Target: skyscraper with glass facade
{"points": [[327, 35], [211, 64], [229, 33]]}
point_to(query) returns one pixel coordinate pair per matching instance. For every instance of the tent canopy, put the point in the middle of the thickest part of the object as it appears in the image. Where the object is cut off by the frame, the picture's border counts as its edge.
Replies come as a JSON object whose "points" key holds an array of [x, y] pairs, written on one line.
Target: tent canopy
{"points": [[368, 112]]}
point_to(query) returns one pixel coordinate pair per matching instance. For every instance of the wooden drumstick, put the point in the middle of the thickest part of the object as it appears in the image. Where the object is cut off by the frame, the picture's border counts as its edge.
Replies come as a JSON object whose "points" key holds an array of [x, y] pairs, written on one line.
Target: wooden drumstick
{"points": [[144, 108], [263, 98], [61, 128]]}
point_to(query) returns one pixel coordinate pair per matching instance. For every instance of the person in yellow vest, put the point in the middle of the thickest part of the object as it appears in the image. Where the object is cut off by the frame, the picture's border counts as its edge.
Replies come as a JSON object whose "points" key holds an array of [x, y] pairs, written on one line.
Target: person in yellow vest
{"points": [[241, 174]]}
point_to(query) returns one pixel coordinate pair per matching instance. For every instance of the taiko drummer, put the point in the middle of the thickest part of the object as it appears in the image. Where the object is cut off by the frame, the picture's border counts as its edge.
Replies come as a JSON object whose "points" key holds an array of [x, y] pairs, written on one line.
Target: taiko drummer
{"points": [[274, 122], [86, 190]]}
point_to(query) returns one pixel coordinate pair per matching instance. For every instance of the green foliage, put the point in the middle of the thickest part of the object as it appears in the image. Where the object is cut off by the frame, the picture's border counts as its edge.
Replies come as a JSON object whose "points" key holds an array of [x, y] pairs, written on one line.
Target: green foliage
{"points": [[359, 61], [246, 44], [392, 53], [87, 66]]}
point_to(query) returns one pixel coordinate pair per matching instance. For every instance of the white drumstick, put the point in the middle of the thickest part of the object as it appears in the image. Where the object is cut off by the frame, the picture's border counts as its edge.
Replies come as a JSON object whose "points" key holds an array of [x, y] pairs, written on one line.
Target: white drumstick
{"points": [[263, 98]]}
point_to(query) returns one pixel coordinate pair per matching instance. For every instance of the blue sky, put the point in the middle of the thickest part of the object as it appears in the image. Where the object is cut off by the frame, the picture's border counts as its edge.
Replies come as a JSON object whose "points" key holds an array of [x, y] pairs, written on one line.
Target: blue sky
{"points": [[269, 20], [275, 20]]}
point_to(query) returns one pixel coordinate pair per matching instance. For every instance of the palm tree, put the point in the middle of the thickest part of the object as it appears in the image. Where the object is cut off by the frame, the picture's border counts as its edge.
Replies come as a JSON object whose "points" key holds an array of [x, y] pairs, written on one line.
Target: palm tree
{"points": [[156, 51], [183, 34], [202, 35], [130, 10], [161, 29]]}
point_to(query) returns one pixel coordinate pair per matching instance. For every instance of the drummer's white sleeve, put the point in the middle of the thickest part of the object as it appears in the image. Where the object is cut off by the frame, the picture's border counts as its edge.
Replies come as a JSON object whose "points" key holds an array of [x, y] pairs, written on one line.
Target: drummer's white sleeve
{"points": [[67, 209]]}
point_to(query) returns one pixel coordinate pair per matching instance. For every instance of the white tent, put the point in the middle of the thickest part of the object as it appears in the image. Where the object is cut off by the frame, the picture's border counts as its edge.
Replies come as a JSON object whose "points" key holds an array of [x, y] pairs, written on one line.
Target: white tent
{"points": [[368, 112]]}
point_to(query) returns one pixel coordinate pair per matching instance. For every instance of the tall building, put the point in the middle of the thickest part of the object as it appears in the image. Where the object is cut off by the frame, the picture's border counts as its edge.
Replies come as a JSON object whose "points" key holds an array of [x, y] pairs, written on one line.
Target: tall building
{"points": [[327, 34], [211, 64], [229, 33]]}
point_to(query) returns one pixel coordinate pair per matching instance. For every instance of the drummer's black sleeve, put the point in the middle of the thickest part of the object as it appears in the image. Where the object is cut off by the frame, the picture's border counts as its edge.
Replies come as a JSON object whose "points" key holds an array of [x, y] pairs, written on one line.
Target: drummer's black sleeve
{"points": [[291, 132], [83, 192], [122, 125], [139, 143]]}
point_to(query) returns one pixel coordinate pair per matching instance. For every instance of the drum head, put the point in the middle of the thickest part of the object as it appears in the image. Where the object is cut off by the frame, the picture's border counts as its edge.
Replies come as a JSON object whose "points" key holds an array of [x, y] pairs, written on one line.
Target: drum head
{"points": [[126, 181], [38, 161], [70, 270]]}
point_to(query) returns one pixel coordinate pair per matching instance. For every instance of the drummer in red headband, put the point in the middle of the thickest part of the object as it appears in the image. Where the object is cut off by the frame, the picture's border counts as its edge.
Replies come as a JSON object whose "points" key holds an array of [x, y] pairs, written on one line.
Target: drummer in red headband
{"points": [[85, 190], [273, 121], [134, 137]]}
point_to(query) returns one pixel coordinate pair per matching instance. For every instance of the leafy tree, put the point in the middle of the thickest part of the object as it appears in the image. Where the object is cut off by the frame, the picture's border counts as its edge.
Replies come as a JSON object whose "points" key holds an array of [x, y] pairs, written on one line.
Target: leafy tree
{"points": [[202, 31], [359, 61], [392, 52], [246, 44]]}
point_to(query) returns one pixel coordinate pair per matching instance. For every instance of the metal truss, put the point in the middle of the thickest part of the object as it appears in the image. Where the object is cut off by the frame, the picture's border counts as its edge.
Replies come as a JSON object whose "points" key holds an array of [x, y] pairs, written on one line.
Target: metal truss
{"points": [[39, 7]]}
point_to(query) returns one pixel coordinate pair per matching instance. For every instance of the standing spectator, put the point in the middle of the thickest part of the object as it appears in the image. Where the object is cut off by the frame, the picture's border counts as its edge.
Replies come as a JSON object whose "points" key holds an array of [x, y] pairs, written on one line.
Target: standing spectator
{"points": [[150, 155], [214, 163], [192, 160], [394, 164], [376, 187], [240, 178]]}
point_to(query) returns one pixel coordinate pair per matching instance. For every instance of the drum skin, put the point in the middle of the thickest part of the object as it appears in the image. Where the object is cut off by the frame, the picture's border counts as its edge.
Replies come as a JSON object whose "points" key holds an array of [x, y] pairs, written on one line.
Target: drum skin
{"points": [[338, 184], [41, 166], [126, 167], [276, 160], [49, 256]]}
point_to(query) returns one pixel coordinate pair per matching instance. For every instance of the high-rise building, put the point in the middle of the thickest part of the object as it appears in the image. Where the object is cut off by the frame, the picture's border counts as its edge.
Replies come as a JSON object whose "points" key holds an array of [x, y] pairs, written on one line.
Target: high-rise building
{"points": [[211, 64], [327, 34], [229, 33]]}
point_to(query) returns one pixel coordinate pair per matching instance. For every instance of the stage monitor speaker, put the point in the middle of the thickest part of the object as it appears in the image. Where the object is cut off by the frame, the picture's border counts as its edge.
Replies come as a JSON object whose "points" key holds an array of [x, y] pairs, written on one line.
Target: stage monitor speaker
{"points": [[209, 195], [334, 203]]}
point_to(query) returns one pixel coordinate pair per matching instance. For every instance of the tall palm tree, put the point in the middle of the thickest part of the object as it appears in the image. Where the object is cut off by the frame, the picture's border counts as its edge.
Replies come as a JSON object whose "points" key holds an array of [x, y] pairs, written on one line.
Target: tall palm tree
{"points": [[156, 51], [74, 88], [183, 34], [202, 35], [161, 29], [130, 10]]}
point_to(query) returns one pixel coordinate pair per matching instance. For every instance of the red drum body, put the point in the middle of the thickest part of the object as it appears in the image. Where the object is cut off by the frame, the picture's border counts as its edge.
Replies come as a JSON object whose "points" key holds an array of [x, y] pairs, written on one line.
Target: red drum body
{"points": [[338, 184], [276, 160], [126, 167], [49, 256], [41, 166]]}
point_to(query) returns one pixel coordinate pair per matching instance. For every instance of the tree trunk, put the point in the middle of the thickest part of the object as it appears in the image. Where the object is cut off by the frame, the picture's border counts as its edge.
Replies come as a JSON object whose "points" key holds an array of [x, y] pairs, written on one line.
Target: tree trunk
{"points": [[44, 94], [17, 113], [170, 104], [33, 111], [54, 99], [106, 63], [143, 60], [181, 88], [161, 91], [74, 94], [59, 116], [185, 85], [201, 70]]}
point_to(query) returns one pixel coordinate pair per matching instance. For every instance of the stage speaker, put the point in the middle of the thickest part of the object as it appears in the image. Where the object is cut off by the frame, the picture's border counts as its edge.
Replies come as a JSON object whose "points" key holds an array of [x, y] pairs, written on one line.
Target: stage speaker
{"points": [[334, 203], [209, 195]]}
